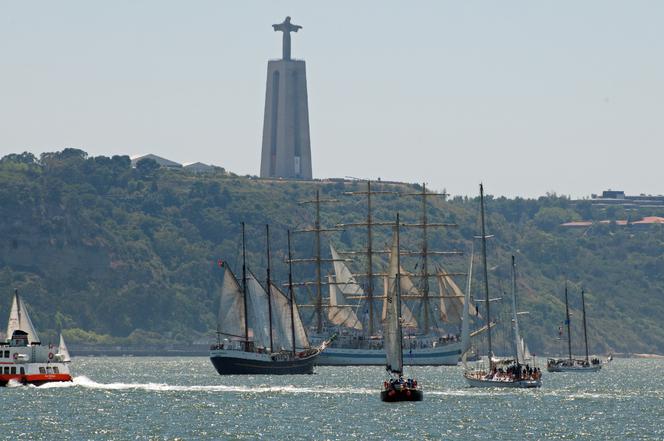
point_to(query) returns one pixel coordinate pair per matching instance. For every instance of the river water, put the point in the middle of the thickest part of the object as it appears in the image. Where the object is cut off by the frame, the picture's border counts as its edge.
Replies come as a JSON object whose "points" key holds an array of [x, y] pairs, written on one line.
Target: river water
{"points": [[183, 398]]}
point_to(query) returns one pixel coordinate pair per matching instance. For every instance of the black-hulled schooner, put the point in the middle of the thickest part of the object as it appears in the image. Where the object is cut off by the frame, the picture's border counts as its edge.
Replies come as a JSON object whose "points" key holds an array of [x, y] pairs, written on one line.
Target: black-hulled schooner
{"points": [[571, 364], [259, 327], [396, 388]]}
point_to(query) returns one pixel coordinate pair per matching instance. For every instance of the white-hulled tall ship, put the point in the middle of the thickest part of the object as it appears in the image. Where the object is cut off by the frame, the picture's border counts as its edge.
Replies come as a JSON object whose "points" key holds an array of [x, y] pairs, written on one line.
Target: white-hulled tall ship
{"points": [[23, 359], [260, 330], [353, 308], [571, 364]]}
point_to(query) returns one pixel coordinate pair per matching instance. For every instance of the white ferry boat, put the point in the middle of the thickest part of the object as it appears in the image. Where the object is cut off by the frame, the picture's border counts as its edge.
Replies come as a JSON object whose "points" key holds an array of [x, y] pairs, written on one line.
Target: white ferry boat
{"points": [[24, 359]]}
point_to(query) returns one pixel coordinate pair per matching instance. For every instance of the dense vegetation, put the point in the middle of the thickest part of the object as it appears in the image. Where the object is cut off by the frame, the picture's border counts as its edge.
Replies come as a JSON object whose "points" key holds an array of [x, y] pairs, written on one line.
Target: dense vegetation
{"points": [[115, 254]]}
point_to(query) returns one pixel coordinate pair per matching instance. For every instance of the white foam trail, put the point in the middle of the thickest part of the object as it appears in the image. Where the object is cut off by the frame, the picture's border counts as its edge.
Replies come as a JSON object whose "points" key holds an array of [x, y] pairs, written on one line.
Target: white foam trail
{"points": [[87, 383], [14, 383]]}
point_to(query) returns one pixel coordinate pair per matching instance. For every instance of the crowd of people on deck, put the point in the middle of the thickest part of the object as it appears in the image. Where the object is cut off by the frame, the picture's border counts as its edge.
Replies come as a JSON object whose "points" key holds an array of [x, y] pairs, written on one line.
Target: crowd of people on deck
{"points": [[400, 383], [514, 372]]}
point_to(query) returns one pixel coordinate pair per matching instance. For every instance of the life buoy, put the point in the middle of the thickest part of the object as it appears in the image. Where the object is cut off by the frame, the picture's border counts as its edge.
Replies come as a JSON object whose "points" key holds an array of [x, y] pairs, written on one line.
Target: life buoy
{"points": [[15, 355], [50, 355]]}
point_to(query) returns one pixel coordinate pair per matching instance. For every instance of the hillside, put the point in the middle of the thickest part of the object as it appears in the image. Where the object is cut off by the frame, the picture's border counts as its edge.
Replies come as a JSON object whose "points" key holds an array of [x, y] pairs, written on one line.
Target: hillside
{"points": [[113, 254]]}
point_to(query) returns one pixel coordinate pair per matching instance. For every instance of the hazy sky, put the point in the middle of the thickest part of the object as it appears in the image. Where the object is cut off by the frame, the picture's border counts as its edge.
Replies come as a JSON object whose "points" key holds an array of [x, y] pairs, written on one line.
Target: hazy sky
{"points": [[527, 96]]}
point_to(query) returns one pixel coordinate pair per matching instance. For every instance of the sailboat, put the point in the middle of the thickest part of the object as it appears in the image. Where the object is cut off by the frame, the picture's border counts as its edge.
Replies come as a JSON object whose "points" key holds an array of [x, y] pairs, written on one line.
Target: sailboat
{"points": [[570, 364], [396, 388], [63, 352], [261, 327], [508, 372], [24, 359]]}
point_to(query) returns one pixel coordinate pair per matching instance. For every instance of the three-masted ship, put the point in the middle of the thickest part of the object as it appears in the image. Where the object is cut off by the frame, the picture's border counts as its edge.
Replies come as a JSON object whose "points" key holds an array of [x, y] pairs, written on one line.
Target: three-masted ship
{"points": [[356, 309], [517, 371], [24, 359], [259, 327], [571, 364]]}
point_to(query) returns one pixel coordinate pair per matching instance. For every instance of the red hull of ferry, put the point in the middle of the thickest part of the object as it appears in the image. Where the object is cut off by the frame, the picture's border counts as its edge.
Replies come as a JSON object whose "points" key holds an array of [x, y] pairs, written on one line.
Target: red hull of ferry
{"points": [[37, 379]]}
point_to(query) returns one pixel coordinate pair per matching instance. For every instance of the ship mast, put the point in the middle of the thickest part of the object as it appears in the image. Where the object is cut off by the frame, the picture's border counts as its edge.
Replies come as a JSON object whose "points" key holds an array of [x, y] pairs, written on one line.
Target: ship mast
{"points": [[317, 259], [291, 292], [425, 225], [567, 320], [398, 296], [486, 274], [585, 331], [244, 291], [369, 250], [514, 314], [269, 286]]}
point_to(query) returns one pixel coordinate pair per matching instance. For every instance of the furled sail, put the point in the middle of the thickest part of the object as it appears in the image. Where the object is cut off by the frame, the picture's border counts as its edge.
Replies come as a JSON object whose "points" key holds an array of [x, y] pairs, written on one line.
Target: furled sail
{"points": [[19, 319], [392, 337], [345, 285], [407, 288], [231, 307], [257, 312], [451, 299], [339, 313], [281, 322], [63, 352]]}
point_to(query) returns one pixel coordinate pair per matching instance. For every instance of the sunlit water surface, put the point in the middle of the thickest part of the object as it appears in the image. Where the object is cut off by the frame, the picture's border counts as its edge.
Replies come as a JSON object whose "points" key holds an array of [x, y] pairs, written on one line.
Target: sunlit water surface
{"points": [[184, 398]]}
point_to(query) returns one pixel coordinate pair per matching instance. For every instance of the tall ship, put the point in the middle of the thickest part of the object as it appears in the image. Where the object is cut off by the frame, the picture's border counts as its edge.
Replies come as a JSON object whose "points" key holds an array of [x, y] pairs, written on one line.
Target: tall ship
{"points": [[23, 359], [515, 371], [571, 364], [259, 327], [355, 309]]}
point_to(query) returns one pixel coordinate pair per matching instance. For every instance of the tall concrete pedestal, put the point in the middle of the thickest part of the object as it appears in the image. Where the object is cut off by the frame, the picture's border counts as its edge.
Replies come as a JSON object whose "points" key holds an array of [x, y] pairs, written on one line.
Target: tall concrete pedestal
{"points": [[286, 147]]}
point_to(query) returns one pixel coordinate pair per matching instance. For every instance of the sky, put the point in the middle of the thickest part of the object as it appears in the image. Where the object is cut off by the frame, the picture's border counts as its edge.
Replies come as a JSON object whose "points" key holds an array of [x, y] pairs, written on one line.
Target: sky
{"points": [[529, 97]]}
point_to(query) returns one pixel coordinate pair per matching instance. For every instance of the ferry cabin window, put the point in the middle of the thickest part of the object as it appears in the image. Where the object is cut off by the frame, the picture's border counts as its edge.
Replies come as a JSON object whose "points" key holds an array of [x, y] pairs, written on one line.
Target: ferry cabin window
{"points": [[49, 370], [42, 370], [22, 371], [56, 370], [6, 354], [13, 370], [6, 370]]}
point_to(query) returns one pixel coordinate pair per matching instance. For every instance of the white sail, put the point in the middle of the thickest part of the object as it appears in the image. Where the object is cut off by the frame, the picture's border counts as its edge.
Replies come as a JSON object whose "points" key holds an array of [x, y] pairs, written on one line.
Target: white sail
{"points": [[281, 322], [524, 354], [257, 312], [339, 313], [231, 307], [281, 328], [392, 337], [451, 299], [19, 319], [63, 352]]}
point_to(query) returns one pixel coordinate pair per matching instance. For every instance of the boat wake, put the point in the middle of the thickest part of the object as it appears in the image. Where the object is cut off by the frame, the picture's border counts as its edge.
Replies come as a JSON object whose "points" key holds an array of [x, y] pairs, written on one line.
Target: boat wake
{"points": [[87, 383]]}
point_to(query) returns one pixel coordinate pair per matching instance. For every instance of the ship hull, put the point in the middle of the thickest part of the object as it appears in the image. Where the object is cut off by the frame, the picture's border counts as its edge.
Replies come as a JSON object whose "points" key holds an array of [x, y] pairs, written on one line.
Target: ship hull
{"points": [[405, 394], [447, 355], [591, 368], [34, 373], [36, 380], [510, 384], [247, 363]]}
